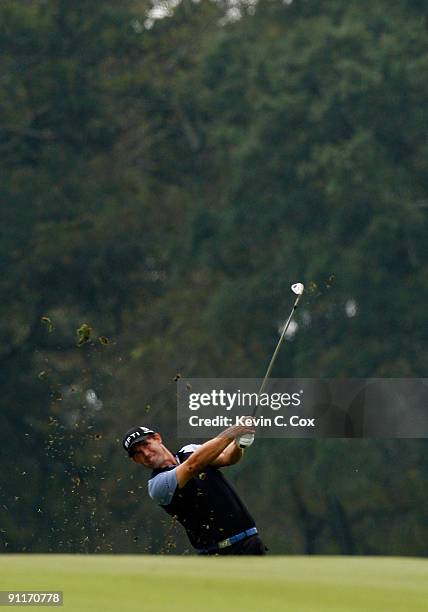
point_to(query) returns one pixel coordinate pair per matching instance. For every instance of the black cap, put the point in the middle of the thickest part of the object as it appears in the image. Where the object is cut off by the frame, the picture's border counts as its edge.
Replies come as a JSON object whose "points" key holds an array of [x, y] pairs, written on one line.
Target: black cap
{"points": [[134, 435]]}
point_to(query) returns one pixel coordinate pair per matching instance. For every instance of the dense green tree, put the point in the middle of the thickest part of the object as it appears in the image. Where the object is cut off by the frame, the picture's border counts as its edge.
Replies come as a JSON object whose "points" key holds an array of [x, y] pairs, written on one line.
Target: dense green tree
{"points": [[163, 183]]}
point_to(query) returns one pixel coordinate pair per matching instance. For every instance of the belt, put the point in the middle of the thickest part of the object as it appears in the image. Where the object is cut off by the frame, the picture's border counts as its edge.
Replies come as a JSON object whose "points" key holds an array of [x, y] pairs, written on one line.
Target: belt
{"points": [[228, 541]]}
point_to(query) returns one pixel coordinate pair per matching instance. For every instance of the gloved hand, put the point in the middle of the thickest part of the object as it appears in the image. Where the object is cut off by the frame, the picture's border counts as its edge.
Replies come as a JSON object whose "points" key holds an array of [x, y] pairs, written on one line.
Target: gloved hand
{"points": [[245, 440]]}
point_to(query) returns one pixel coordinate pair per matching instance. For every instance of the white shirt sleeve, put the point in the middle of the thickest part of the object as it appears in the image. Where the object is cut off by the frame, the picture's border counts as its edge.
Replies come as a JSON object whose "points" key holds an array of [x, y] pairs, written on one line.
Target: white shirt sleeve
{"points": [[162, 487], [189, 448]]}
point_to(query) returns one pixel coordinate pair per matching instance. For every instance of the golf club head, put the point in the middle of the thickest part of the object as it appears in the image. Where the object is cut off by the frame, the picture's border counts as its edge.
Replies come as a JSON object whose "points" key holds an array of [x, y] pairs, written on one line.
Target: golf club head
{"points": [[298, 288]]}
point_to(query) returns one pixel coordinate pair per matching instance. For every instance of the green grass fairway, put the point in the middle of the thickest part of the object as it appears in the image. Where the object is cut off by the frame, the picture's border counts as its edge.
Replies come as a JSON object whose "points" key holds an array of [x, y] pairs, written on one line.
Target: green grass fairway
{"points": [[192, 584]]}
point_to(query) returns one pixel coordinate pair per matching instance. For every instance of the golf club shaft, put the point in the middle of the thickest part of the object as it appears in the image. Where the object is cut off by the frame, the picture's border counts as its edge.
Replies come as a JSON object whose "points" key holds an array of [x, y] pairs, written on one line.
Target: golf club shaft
{"points": [[276, 351], [247, 439]]}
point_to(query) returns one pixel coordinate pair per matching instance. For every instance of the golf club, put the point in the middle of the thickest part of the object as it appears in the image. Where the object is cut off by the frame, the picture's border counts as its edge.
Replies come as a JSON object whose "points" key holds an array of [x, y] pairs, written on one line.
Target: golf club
{"points": [[297, 288]]}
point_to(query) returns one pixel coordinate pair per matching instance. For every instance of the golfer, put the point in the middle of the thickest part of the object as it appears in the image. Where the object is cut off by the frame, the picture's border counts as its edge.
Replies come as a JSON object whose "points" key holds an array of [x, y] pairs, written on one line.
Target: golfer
{"points": [[190, 487]]}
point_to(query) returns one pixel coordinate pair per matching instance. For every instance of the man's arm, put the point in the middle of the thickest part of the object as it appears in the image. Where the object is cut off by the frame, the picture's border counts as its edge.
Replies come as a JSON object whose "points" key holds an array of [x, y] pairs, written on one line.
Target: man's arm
{"points": [[209, 452], [231, 455]]}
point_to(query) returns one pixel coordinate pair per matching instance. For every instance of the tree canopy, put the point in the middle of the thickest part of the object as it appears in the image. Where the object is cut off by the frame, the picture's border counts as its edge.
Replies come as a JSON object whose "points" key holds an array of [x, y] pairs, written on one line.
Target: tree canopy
{"points": [[163, 182]]}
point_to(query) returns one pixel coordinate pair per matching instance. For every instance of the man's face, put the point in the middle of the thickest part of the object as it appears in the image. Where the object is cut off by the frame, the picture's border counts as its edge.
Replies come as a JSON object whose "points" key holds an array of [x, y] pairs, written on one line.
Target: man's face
{"points": [[149, 452]]}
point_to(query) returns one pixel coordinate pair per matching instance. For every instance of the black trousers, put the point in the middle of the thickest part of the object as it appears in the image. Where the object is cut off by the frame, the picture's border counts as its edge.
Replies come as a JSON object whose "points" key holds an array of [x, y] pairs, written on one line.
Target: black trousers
{"points": [[250, 546]]}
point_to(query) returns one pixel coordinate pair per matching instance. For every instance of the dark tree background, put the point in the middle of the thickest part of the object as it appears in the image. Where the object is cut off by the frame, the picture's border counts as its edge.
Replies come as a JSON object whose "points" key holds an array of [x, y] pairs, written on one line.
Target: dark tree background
{"points": [[163, 183]]}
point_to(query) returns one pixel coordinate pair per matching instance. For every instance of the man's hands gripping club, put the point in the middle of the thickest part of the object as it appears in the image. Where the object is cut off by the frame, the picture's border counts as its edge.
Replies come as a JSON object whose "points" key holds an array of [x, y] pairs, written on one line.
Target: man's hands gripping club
{"points": [[217, 452]]}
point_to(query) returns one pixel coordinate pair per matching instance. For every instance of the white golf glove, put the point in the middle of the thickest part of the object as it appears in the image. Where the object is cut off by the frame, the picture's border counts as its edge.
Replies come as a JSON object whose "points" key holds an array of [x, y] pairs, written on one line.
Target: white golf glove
{"points": [[244, 441]]}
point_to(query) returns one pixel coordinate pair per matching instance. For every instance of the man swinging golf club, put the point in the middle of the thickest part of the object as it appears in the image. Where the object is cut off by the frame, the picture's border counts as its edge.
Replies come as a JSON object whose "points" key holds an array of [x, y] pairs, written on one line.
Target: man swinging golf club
{"points": [[190, 486]]}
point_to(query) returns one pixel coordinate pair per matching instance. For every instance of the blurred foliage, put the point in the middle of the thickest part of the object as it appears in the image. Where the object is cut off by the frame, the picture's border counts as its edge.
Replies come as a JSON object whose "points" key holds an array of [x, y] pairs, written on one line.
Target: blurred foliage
{"points": [[163, 182]]}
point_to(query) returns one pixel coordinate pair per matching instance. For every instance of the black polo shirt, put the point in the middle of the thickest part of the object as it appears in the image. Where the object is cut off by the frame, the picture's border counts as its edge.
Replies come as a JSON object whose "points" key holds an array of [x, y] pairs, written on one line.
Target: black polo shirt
{"points": [[207, 506]]}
